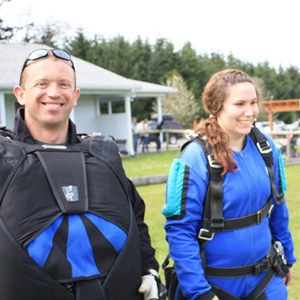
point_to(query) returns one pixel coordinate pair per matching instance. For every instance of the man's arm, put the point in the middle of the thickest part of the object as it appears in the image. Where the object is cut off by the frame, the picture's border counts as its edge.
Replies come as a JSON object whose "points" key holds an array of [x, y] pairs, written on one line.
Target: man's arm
{"points": [[147, 251]]}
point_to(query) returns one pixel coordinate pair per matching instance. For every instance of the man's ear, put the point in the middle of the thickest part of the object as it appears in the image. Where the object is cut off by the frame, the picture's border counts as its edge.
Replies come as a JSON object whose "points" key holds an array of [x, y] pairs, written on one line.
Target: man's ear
{"points": [[77, 95], [19, 93]]}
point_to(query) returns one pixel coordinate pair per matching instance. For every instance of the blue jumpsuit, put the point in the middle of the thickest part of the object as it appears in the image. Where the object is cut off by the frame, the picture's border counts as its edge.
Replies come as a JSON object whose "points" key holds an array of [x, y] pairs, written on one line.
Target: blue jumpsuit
{"points": [[244, 192]]}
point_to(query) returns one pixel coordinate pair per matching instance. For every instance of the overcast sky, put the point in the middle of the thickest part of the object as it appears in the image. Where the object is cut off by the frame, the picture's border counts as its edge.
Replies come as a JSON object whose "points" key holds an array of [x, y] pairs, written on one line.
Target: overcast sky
{"points": [[253, 31]]}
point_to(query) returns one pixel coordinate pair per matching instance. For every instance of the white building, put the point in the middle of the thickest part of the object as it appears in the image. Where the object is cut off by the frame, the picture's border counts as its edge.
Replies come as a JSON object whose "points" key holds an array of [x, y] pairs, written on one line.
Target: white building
{"points": [[100, 91]]}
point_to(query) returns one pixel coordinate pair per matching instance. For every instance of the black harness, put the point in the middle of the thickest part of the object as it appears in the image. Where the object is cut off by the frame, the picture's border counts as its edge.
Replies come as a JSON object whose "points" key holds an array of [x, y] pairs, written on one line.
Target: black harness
{"points": [[214, 221], [67, 192]]}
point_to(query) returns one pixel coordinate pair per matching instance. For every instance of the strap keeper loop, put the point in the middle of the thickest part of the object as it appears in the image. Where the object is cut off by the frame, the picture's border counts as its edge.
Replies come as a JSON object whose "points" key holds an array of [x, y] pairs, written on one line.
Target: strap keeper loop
{"points": [[217, 223]]}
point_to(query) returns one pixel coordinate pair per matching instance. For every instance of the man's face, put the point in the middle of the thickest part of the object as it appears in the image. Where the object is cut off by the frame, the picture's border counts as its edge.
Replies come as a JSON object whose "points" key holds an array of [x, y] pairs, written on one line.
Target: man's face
{"points": [[48, 93]]}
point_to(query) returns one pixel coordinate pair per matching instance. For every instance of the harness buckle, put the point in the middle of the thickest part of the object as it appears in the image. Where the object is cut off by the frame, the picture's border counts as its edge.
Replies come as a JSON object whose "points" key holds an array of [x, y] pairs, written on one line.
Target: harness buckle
{"points": [[270, 211], [212, 162], [258, 217], [205, 234], [262, 265], [264, 147]]}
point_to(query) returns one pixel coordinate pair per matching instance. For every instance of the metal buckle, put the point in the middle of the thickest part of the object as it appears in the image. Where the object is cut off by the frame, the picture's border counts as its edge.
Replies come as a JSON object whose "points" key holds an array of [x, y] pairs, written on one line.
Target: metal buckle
{"points": [[264, 147], [258, 217], [270, 211], [205, 234], [62, 147], [262, 265], [212, 162]]}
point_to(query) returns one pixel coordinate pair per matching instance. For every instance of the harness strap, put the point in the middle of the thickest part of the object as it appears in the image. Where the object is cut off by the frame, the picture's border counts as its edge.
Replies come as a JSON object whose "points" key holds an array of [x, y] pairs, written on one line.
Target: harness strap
{"points": [[223, 294], [227, 296], [263, 265], [265, 150], [245, 221], [257, 294], [6, 133], [213, 210]]}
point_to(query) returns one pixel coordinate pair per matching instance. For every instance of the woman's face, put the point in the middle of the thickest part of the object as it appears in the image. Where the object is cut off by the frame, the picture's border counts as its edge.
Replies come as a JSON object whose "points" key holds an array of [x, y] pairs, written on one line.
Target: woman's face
{"points": [[239, 110]]}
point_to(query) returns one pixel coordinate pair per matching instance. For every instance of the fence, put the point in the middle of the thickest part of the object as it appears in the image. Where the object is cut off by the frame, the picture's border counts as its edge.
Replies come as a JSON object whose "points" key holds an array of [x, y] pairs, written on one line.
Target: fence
{"points": [[287, 142], [291, 155]]}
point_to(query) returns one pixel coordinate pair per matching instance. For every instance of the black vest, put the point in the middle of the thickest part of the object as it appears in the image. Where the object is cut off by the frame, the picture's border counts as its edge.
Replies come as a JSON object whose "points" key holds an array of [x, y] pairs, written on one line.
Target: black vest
{"points": [[38, 184]]}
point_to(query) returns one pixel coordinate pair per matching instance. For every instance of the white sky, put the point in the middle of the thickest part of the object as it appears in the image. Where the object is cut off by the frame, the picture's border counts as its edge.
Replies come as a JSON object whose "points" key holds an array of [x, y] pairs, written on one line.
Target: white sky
{"points": [[253, 31]]}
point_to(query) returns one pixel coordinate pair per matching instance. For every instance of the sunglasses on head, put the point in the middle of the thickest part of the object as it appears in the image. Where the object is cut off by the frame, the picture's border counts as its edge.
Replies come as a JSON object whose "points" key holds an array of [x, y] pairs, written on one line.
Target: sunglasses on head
{"points": [[40, 53]]}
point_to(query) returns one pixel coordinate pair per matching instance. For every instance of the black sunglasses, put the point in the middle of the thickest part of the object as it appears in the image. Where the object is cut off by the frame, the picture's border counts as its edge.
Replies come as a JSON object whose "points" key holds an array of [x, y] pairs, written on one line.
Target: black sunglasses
{"points": [[40, 53]]}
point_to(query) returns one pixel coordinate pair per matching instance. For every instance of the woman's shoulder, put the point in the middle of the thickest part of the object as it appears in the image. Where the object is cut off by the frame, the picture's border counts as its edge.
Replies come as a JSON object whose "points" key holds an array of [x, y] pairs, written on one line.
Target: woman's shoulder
{"points": [[193, 155]]}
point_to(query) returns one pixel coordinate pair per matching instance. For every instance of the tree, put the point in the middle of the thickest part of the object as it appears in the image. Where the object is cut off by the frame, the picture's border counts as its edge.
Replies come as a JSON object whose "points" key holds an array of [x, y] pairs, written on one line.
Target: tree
{"points": [[188, 65], [140, 57], [6, 32], [52, 33], [181, 104], [80, 46], [162, 61]]}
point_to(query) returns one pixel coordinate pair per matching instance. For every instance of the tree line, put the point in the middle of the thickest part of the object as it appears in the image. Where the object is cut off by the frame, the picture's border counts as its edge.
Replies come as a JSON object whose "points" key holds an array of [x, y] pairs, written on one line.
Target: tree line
{"points": [[160, 63]]}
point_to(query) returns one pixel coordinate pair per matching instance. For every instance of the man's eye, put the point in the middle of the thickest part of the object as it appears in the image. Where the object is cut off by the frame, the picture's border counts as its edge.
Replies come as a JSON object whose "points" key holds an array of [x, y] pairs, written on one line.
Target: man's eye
{"points": [[65, 85]]}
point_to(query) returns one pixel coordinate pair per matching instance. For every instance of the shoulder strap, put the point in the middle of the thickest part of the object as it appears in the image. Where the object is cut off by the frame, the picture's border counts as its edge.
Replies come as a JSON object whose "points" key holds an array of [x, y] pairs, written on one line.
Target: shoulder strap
{"points": [[265, 150], [213, 220], [6, 133]]}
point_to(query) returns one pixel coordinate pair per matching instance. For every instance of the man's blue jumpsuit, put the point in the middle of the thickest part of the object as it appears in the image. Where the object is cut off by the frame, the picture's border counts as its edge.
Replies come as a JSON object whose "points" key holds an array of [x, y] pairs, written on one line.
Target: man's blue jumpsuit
{"points": [[244, 192]]}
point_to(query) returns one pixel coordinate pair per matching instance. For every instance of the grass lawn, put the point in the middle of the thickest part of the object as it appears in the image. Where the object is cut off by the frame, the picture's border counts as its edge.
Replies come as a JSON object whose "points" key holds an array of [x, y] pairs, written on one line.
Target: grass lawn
{"points": [[154, 196]]}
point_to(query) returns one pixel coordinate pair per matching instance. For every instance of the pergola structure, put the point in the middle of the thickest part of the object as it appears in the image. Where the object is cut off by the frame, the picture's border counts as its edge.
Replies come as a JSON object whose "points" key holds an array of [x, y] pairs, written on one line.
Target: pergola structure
{"points": [[273, 106]]}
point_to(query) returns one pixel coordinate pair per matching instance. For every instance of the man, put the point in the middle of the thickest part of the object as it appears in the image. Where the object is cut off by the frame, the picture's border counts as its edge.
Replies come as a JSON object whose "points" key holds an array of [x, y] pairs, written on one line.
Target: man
{"points": [[71, 223]]}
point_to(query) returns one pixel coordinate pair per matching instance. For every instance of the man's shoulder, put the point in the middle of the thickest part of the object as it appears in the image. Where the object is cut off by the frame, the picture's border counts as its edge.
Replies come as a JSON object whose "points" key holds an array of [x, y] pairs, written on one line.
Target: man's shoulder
{"points": [[5, 132]]}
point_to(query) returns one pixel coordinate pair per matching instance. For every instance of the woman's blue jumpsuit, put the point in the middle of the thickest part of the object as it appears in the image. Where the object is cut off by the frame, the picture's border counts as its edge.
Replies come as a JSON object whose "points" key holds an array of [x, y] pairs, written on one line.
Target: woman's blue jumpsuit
{"points": [[244, 192]]}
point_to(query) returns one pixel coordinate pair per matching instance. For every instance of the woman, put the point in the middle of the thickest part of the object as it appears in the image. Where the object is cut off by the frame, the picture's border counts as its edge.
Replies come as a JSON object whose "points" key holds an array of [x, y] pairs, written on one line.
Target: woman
{"points": [[231, 100]]}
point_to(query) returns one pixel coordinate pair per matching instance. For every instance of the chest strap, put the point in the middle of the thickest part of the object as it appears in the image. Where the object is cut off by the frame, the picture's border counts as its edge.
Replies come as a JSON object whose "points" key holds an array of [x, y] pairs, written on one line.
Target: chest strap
{"points": [[208, 231]]}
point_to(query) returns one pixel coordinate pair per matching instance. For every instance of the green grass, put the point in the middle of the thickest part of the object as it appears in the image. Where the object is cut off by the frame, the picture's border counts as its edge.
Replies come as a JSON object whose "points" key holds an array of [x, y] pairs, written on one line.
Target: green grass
{"points": [[154, 196], [293, 202], [149, 164]]}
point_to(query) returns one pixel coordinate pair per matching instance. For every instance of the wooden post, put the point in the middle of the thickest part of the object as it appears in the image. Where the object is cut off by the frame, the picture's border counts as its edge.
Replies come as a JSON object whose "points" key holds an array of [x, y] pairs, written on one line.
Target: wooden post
{"points": [[271, 119]]}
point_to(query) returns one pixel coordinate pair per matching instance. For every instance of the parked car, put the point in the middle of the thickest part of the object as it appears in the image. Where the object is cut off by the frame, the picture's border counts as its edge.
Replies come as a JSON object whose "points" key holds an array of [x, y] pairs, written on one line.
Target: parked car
{"points": [[264, 126], [166, 124], [293, 126]]}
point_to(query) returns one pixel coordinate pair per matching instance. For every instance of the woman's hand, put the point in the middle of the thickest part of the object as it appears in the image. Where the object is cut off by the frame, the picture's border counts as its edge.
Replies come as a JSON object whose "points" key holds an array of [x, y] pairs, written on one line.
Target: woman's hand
{"points": [[289, 276]]}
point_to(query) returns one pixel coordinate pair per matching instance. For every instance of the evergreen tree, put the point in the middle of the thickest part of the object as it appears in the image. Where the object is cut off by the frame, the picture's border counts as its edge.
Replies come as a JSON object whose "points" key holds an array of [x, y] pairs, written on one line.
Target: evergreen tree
{"points": [[80, 46], [140, 60], [162, 61]]}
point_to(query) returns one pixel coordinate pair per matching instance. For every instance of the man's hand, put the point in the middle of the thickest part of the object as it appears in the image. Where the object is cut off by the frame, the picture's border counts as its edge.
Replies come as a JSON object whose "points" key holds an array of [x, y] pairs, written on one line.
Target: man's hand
{"points": [[148, 286]]}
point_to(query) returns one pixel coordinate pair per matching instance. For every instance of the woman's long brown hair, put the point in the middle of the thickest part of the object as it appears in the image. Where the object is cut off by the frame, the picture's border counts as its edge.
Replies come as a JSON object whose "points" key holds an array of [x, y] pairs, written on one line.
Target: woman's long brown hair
{"points": [[213, 97]]}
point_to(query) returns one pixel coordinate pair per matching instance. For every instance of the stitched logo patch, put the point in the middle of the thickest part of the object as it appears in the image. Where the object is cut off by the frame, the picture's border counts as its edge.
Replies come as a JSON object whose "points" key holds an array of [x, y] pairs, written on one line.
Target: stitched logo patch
{"points": [[71, 193]]}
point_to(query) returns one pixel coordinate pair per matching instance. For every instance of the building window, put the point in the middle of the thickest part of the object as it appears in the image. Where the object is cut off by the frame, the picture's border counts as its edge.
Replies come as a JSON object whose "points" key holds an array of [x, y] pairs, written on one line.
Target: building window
{"points": [[118, 107], [103, 108]]}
